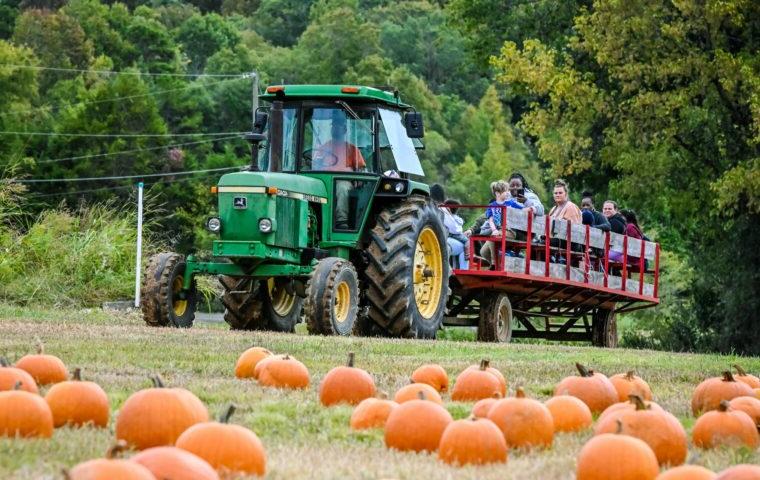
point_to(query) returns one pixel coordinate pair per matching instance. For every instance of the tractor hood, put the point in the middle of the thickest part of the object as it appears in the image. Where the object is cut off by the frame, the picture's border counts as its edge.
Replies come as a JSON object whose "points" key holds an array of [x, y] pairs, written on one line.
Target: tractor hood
{"points": [[287, 184]]}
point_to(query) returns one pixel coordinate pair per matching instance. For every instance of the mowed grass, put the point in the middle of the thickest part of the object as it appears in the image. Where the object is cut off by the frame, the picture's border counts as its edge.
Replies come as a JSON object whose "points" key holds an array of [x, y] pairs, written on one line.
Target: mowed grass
{"points": [[303, 439]]}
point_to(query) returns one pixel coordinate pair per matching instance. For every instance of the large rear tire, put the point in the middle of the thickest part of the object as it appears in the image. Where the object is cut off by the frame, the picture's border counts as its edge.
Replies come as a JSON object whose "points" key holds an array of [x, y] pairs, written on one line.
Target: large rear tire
{"points": [[164, 303], [408, 271], [496, 319], [260, 304], [332, 298], [604, 329]]}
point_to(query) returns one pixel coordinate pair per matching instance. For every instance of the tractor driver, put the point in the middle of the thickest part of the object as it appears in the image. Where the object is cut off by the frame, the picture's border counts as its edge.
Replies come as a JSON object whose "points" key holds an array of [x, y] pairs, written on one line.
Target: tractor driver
{"points": [[338, 155]]}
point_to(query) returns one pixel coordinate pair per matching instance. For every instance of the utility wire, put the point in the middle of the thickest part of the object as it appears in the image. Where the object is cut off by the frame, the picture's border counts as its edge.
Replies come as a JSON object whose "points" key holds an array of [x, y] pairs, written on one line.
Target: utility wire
{"points": [[117, 99], [120, 135], [122, 177], [112, 72], [137, 150]]}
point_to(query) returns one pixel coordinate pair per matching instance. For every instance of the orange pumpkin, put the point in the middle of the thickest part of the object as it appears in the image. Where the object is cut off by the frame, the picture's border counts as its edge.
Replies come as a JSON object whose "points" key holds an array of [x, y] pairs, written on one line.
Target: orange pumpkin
{"points": [[474, 441], [231, 449], [687, 472], [593, 388], [757, 392], [285, 372], [621, 457], [627, 405], [77, 403], [496, 373], [708, 394], [523, 421], [432, 374], [45, 369], [627, 384], [742, 376], [416, 425], [109, 468], [263, 363], [658, 428], [372, 412], [246, 363], [725, 426], [156, 416], [475, 384], [346, 384], [569, 414], [748, 405], [24, 414], [10, 376], [740, 472], [482, 407], [412, 391], [175, 463]]}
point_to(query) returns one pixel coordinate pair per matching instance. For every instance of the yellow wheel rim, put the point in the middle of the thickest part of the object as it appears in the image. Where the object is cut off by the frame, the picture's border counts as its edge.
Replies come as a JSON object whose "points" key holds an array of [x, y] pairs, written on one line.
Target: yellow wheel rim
{"points": [[427, 272], [282, 301], [179, 306], [342, 302]]}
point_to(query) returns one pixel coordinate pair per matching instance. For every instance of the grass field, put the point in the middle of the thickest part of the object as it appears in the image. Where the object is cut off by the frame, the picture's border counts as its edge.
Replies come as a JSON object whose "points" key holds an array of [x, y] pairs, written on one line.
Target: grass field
{"points": [[303, 439]]}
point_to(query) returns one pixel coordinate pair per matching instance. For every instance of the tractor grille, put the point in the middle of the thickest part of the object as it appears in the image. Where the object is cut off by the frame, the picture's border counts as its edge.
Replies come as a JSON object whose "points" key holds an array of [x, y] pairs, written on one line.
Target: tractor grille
{"points": [[287, 217]]}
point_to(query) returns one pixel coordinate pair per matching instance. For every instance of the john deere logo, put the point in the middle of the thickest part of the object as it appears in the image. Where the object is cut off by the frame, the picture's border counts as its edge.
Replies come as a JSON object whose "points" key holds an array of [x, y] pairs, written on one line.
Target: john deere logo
{"points": [[240, 202]]}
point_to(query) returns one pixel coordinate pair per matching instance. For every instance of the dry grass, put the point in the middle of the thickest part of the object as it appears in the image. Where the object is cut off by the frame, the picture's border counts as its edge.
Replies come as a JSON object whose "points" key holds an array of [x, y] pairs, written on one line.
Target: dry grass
{"points": [[304, 440]]}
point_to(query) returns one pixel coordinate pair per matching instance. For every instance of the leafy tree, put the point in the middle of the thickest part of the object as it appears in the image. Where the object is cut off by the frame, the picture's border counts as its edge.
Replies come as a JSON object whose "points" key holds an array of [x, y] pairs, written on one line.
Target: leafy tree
{"points": [[154, 48], [203, 35], [8, 13], [97, 22], [281, 22], [668, 104], [18, 89]]}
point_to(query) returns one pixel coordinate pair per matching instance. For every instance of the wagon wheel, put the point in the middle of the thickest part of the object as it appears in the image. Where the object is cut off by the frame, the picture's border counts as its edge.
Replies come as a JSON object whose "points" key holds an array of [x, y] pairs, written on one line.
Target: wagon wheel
{"points": [[496, 319], [604, 329]]}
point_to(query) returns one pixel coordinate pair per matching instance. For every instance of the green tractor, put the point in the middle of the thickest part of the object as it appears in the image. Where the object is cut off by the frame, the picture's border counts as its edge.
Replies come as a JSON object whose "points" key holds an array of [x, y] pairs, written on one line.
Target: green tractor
{"points": [[324, 225]]}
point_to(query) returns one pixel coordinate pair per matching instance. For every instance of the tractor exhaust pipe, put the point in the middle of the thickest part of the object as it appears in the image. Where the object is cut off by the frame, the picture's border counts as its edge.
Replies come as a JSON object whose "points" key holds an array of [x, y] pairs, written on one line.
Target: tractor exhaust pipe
{"points": [[275, 136]]}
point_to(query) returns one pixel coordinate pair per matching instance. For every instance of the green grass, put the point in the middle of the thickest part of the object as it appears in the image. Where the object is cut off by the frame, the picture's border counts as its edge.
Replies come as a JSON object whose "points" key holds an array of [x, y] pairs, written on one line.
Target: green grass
{"points": [[304, 440]]}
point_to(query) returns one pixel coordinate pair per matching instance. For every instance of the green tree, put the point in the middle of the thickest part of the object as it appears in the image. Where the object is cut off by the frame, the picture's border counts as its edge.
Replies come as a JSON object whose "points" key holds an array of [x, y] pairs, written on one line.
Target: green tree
{"points": [[8, 13], [663, 95], [18, 89], [203, 35], [281, 22]]}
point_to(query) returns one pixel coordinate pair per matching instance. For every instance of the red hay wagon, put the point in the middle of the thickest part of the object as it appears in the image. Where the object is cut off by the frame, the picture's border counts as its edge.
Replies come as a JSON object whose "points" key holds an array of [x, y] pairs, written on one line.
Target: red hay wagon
{"points": [[559, 281]]}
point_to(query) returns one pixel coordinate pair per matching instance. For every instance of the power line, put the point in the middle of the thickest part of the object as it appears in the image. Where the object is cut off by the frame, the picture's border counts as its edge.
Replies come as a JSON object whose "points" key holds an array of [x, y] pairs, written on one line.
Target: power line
{"points": [[120, 135], [113, 72], [137, 150], [122, 177], [116, 99]]}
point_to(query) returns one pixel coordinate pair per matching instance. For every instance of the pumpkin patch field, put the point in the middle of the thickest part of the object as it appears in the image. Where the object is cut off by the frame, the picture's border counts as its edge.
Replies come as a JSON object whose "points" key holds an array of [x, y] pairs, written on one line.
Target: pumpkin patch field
{"points": [[166, 401]]}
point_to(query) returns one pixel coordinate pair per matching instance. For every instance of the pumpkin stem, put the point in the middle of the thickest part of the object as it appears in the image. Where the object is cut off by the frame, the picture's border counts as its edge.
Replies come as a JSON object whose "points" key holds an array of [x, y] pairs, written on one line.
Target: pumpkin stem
{"points": [[66, 474], [630, 374], [421, 395], [227, 414], [723, 407], [728, 377], [382, 395], [584, 372], [40, 347], [286, 357], [77, 375], [350, 362], [116, 449], [496, 395], [619, 429], [17, 385], [472, 418], [520, 393], [740, 370], [158, 382], [484, 364], [4, 362], [639, 402]]}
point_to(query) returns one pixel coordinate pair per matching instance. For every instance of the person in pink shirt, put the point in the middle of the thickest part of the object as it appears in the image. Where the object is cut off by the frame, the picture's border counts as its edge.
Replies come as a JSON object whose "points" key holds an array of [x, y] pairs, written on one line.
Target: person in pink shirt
{"points": [[563, 208]]}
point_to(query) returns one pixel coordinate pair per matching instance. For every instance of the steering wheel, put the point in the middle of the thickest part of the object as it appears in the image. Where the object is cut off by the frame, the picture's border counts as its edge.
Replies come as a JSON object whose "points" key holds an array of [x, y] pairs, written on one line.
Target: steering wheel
{"points": [[308, 155]]}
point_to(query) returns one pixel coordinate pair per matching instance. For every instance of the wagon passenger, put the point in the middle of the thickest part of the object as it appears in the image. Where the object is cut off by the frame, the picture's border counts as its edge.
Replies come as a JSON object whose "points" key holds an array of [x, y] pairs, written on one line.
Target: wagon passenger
{"points": [[563, 208], [595, 219], [456, 240], [495, 220], [617, 221], [521, 192]]}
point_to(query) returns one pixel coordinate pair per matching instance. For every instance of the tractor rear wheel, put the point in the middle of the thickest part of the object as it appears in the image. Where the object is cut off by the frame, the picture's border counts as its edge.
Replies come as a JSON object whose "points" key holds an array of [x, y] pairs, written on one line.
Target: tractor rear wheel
{"points": [[408, 271], [164, 303], [332, 298], [604, 328], [496, 320], [252, 304]]}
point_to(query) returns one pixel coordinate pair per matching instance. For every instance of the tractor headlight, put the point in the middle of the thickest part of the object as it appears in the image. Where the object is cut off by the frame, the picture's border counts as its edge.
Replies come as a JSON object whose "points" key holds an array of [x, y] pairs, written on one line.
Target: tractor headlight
{"points": [[265, 225], [214, 225], [399, 187]]}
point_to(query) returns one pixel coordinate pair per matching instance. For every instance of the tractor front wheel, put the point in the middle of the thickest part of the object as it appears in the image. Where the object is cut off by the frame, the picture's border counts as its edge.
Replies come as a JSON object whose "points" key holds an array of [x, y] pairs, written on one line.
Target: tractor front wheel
{"points": [[408, 272], [164, 302], [332, 298], [252, 304]]}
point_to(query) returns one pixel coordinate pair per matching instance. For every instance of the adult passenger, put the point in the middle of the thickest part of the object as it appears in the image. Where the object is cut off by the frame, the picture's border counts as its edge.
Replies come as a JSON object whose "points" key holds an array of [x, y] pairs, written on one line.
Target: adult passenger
{"points": [[617, 221], [520, 191], [591, 216], [563, 208]]}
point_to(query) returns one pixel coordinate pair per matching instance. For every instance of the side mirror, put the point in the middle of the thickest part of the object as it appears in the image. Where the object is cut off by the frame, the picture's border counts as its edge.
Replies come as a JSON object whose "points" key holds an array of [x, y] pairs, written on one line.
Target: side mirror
{"points": [[260, 121], [254, 137], [414, 125]]}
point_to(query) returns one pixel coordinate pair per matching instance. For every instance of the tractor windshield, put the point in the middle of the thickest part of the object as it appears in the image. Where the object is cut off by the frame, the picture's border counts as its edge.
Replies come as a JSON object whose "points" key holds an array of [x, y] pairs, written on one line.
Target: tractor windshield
{"points": [[335, 141], [289, 137]]}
